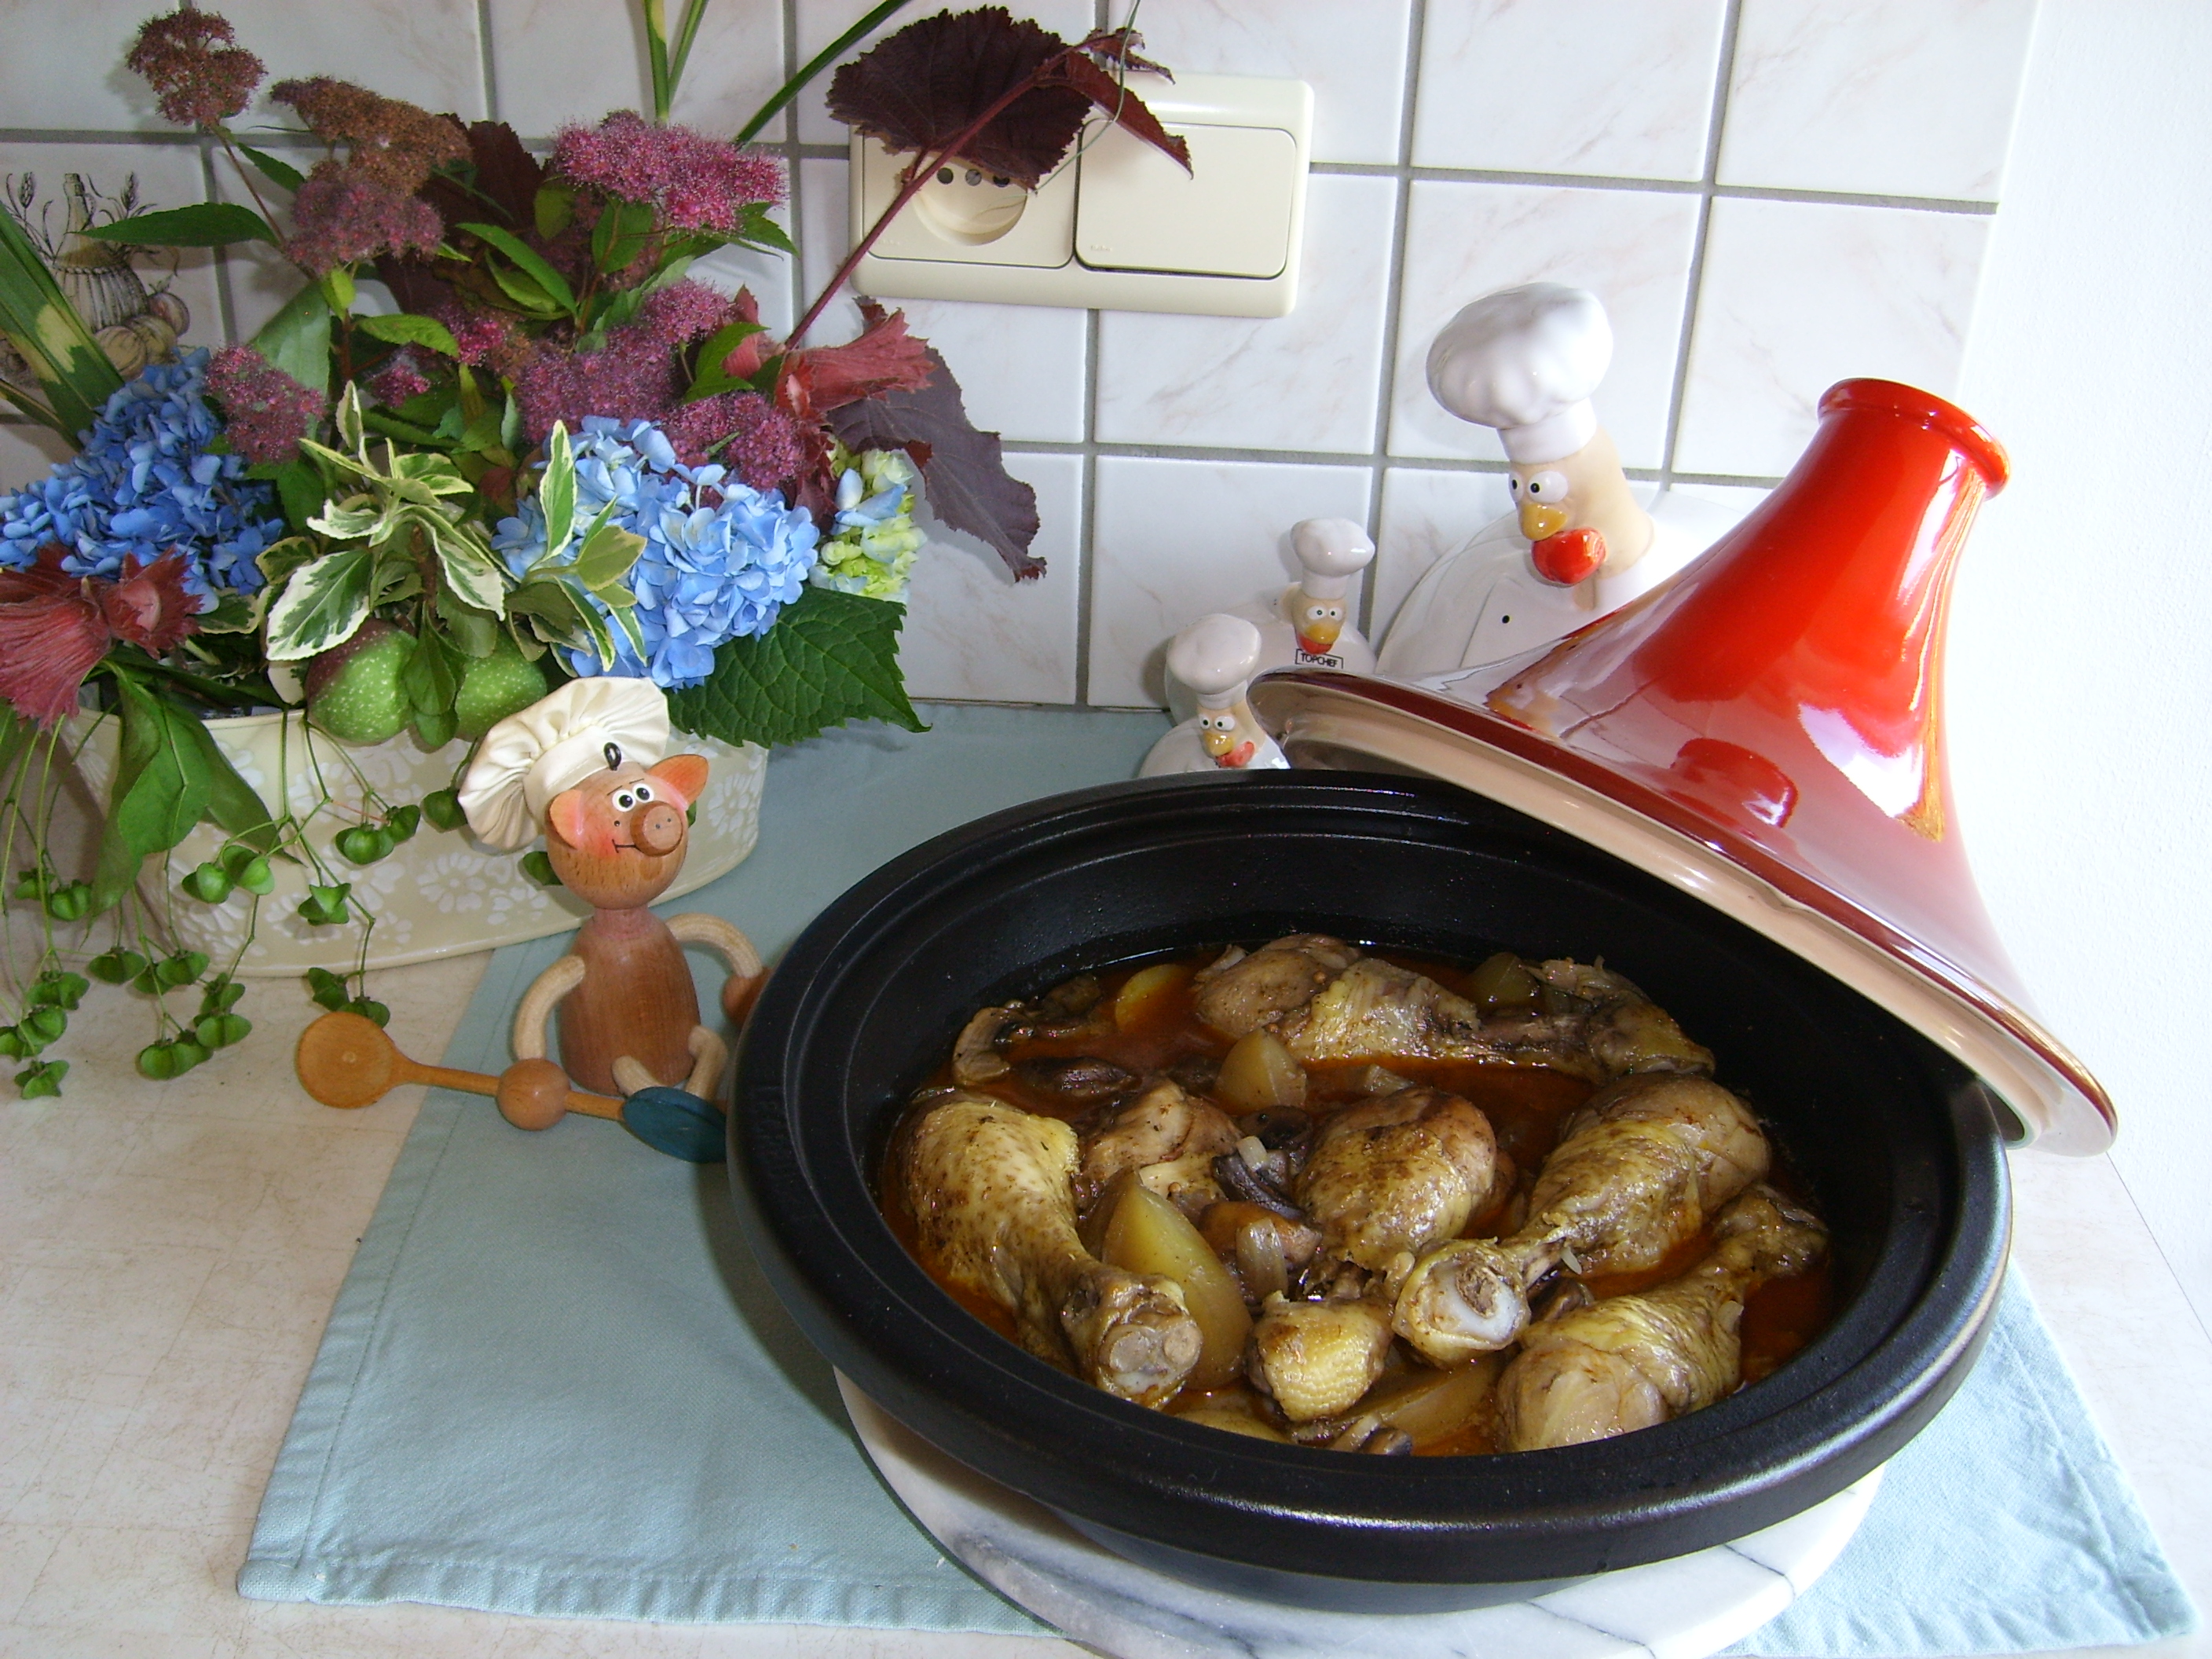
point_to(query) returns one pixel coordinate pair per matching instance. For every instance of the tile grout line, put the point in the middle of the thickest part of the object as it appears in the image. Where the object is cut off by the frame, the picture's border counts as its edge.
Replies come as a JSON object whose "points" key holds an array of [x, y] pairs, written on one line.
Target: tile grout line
{"points": [[794, 158], [1694, 288], [226, 306], [1386, 397], [1086, 537], [1655, 186]]}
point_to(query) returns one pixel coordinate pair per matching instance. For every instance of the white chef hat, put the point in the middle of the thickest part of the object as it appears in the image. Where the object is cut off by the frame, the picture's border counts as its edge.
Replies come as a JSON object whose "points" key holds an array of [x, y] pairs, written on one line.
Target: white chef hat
{"points": [[1525, 361], [1214, 657], [1332, 551], [555, 745]]}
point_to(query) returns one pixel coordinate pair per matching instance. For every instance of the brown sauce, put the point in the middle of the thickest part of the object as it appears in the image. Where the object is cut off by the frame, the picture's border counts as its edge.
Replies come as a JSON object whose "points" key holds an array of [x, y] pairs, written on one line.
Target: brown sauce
{"points": [[1526, 1107]]}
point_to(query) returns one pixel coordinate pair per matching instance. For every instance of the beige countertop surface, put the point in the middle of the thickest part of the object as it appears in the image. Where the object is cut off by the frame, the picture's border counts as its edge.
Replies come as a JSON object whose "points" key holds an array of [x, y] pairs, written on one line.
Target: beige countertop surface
{"points": [[169, 1253]]}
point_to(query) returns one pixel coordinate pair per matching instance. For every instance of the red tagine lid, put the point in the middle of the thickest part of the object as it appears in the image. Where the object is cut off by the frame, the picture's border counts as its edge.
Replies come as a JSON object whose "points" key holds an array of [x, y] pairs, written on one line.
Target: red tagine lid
{"points": [[1765, 731]]}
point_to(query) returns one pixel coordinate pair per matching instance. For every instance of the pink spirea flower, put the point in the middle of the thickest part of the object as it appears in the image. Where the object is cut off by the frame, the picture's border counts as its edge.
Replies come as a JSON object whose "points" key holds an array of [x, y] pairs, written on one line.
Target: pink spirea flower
{"points": [[680, 314], [265, 411], [697, 182], [636, 376], [199, 78], [763, 446], [340, 216], [485, 338], [398, 380]]}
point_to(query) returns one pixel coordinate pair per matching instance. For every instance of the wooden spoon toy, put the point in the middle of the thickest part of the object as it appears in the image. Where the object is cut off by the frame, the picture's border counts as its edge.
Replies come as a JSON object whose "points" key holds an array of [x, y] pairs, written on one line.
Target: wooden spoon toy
{"points": [[347, 1060]]}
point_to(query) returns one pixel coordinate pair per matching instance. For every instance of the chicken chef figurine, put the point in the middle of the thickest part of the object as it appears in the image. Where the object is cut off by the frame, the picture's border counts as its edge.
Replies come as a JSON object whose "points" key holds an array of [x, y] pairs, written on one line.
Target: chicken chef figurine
{"points": [[1313, 626], [1216, 657], [585, 764], [1577, 545]]}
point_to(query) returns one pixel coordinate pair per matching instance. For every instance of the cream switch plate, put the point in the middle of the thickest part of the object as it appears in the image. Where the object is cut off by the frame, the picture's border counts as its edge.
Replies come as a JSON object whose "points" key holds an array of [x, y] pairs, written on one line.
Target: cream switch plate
{"points": [[1119, 226]]}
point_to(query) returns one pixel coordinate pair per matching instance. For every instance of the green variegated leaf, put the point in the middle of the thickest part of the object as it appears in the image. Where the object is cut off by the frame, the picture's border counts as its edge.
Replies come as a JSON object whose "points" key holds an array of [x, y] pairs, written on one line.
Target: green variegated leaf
{"points": [[608, 552], [434, 471], [349, 420], [331, 457], [351, 520], [470, 567], [626, 620], [280, 559], [322, 605], [594, 625], [556, 491]]}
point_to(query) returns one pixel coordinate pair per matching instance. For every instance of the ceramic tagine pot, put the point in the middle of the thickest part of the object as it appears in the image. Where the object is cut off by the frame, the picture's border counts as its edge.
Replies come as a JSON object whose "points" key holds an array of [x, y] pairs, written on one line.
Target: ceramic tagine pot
{"points": [[1734, 789]]}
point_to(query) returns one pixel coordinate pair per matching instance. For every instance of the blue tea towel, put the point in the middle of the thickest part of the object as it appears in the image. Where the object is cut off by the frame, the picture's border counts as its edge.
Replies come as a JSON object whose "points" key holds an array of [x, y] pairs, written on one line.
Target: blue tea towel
{"points": [[556, 1383]]}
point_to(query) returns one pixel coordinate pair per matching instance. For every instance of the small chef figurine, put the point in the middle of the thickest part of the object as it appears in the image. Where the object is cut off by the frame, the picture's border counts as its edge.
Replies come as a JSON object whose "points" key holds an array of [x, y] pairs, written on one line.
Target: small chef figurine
{"points": [[1577, 545], [1313, 626], [1216, 657], [585, 765]]}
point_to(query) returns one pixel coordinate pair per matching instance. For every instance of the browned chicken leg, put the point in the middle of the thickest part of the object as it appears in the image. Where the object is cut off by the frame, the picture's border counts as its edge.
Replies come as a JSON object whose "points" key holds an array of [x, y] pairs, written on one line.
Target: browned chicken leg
{"points": [[1636, 1171], [991, 1189], [1631, 1361]]}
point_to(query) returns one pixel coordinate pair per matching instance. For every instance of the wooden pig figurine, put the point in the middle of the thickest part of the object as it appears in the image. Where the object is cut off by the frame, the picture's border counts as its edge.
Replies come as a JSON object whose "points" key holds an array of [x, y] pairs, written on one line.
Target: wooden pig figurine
{"points": [[616, 831]]}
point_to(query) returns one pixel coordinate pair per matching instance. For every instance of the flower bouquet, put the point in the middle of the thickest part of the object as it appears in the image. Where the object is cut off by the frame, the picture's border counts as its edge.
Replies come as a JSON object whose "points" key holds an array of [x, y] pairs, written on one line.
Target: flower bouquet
{"points": [[500, 437]]}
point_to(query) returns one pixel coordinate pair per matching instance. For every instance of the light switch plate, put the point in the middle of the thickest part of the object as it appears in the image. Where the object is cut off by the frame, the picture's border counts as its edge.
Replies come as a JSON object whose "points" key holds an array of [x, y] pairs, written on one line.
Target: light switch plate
{"points": [[1119, 226]]}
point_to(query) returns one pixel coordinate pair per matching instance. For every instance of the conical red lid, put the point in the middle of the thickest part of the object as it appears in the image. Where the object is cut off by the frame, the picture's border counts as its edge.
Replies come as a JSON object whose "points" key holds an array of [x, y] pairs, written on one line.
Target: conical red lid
{"points": [[1765, 731]]}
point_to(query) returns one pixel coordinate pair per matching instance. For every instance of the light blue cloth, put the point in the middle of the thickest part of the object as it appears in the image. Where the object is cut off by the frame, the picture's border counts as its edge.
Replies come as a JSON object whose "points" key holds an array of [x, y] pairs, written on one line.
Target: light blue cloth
{"points": [[556, 1383]]}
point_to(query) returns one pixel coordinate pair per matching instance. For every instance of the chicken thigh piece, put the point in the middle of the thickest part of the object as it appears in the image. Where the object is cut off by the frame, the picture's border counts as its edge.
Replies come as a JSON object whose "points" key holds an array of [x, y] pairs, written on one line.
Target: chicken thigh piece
{"points": [[1636, 1171], [991, 1190], [1171, 1136], [1239, 994], [1603, 1027], [1393, 1176], [1631, 1361]]}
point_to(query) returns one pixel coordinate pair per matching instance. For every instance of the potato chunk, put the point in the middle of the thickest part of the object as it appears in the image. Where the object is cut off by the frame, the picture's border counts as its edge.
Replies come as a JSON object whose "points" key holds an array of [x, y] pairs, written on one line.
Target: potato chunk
{"points": [[1146, 1234]]}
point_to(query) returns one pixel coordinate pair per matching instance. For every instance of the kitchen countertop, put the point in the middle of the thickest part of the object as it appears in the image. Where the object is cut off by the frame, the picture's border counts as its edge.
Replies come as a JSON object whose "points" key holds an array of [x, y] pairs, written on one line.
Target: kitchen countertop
{"points": [[169, 1253]]}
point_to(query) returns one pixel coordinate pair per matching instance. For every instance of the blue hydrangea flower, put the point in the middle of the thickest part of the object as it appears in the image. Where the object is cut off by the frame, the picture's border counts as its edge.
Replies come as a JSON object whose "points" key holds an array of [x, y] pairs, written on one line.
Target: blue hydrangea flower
{"points": [[144, 484], [721, 559]]}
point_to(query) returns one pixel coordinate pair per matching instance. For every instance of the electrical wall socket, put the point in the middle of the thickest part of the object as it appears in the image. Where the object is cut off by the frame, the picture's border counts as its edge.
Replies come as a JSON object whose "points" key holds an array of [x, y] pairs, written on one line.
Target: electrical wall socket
{"points": [[1119, 226]]}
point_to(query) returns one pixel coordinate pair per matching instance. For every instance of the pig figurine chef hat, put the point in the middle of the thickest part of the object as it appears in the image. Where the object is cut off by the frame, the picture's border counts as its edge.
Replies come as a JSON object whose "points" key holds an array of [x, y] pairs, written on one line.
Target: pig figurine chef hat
{"points": [[1214, 657], [555, 745], [1525, 361], [1332, 551]]}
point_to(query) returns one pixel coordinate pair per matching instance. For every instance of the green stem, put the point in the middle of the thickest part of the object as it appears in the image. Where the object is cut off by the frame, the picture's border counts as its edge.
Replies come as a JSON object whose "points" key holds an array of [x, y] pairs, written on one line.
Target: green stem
{"points": [[821, 60], [656, 53], [686, 31]]}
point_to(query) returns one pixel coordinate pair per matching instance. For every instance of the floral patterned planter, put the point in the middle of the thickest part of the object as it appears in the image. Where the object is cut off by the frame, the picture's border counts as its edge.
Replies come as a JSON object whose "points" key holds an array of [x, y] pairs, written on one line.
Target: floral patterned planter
{"points": [[440, 894]]}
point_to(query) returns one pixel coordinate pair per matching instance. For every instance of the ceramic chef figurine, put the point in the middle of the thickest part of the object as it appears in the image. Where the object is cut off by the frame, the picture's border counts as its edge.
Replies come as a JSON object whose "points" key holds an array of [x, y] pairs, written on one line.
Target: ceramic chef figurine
{"points": [[1313, 627], [585, 765], [1216, 657], [1577, 545]]}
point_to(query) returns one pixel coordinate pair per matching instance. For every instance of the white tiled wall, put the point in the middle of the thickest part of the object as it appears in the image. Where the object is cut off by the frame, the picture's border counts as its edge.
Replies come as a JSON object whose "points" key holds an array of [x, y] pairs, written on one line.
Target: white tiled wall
{"points": [[1769, 195]]}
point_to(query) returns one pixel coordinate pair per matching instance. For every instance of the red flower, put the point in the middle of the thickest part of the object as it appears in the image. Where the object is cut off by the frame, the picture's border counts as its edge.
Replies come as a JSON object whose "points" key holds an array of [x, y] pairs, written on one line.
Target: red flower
{"points": [[55, 628]]}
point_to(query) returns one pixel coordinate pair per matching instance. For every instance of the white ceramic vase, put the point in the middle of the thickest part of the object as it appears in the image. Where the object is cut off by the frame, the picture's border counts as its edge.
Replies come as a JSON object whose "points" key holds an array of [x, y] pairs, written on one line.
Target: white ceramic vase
{"points": [[440, 894]]}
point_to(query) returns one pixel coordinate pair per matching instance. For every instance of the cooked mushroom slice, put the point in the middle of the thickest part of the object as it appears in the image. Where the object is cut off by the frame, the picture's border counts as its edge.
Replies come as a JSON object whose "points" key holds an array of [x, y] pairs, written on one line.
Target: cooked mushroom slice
{"points": [[1239, 994], [1636, 1171], [1162, 1127], [1197, 1074], [1631, 1361], [990, 1187], [1241, 1177], [976, 1055], [1081, 1079], [1393, 1177], [1317, 1359]]}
